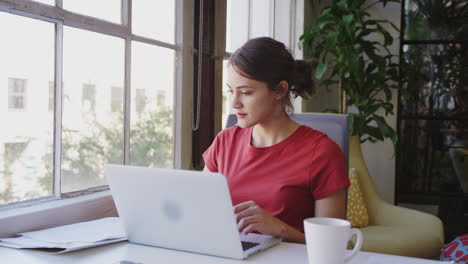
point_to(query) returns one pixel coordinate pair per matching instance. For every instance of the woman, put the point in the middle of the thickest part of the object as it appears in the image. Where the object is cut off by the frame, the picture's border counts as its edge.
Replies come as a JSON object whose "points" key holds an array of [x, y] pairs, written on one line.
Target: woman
{"points": [[278, 172]]}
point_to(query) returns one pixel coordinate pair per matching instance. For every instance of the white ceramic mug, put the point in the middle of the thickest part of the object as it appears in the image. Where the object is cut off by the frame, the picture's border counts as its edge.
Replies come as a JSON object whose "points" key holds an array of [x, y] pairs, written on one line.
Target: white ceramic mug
{"points": [[327, 238]]}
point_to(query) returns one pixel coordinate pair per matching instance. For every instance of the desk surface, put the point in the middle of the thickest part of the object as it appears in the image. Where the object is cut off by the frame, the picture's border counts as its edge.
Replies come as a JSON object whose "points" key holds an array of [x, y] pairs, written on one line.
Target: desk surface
{"points": [[126, 253]]}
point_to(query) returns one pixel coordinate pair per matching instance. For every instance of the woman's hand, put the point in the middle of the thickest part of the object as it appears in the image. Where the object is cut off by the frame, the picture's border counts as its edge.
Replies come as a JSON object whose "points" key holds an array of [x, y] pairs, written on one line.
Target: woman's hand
{"points": [[250, 217]]}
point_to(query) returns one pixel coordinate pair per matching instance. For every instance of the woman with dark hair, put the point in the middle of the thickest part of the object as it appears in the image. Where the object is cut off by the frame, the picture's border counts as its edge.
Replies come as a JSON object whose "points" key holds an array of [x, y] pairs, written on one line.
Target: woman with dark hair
{"points": [[278, 171]]}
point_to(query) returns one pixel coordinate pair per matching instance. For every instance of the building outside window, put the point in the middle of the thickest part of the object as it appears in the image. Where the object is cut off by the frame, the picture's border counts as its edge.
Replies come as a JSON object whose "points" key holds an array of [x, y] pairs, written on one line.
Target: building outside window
{"points": [[51, 96], [140, 100], [116, 99], [89, 97], [16, 93], [161, 97]]}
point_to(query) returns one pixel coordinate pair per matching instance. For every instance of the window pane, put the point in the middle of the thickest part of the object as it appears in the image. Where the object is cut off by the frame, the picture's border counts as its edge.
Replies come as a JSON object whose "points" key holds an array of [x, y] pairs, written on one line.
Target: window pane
{"points": [[117, 99], [88, 100], [154, 19], [109, 10], [51, 95], [151, 131], [227, 109], [140, 100], [16, 93], [436, 20], [435, 77], [237, 24], [92, 134], [26, 141], [261, 18]]}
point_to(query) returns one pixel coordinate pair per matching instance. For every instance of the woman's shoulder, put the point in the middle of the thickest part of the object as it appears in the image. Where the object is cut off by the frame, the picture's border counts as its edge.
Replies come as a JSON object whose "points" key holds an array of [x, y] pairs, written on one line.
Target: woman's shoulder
{"points": [[316, 138], [312, 134]]}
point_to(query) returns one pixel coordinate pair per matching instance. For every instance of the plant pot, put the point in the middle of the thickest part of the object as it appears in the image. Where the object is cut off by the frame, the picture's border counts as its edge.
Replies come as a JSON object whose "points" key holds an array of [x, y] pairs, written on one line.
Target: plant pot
{"points": [[356, 160]]}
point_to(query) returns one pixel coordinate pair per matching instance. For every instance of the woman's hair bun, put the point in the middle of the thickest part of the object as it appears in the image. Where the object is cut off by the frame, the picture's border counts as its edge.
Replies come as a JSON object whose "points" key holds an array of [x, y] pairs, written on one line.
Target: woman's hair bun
{"points": [[303, 84]]}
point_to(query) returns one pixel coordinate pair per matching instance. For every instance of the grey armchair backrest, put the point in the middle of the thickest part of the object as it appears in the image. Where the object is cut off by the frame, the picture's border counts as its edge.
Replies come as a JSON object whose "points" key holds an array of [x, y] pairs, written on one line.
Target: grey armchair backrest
{"points": [[334, 125]]}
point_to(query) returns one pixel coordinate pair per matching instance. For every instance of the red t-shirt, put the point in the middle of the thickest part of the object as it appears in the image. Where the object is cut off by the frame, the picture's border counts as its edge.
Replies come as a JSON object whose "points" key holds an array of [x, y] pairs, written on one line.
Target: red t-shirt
{"points": [[284, 179]]}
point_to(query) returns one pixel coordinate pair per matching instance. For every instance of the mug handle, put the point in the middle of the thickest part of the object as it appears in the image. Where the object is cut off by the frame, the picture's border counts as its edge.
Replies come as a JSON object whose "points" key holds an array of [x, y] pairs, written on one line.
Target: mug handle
{"points": [[357, 247]]}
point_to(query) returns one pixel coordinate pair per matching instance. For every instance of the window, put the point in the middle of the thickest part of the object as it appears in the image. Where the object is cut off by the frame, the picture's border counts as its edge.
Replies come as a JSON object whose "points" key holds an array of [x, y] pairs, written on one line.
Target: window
{"points": [[16, 93], [153, 68], [109, 10], [147, 13], [26, 140], [51, 96], [57, 146], [116, 99], [161, 97], [89, 97], [14, 155], [140, 100]]}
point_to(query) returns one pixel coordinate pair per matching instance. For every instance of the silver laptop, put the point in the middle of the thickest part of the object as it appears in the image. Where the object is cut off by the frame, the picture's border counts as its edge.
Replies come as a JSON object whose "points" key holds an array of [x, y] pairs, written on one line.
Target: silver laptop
{"points": [[180, 209]]}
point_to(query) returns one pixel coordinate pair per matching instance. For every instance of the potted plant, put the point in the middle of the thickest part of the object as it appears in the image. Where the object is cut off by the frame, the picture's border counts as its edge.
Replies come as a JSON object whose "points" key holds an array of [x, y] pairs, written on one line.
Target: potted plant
{"points": [[342, 42], [364, 69]]}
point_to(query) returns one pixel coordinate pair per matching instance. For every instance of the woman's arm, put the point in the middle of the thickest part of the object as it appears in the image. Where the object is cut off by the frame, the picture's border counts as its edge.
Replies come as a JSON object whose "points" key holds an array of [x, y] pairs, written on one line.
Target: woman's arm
{"points": [[251, 217], [333, 205]]}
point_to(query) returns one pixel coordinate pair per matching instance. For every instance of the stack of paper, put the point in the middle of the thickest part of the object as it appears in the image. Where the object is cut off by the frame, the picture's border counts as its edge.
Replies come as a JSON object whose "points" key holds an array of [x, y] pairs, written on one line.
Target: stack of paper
{"points": [[70, 237]]}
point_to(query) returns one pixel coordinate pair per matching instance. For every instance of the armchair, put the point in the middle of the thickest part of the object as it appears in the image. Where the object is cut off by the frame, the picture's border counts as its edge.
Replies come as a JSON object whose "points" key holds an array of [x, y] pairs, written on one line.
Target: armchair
{"points": [[393, 229]]}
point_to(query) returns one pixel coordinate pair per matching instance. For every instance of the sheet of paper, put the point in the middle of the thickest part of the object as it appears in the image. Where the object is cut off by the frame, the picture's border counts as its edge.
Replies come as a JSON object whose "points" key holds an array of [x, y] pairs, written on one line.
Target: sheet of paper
{"points": [[93, 231], [9, 245], [95, 244], [26, 242], [71, 237]]}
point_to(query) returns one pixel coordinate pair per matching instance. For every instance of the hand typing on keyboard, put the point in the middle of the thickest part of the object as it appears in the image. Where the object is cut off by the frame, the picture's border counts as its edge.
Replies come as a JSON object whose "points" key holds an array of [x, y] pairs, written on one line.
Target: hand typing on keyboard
{"points": [[251, 217]]}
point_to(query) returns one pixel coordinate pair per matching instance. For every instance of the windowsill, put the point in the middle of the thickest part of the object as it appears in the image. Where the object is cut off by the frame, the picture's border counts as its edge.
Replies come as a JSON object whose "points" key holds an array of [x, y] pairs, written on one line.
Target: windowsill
{"points": [[51, 203], [51, 213]]}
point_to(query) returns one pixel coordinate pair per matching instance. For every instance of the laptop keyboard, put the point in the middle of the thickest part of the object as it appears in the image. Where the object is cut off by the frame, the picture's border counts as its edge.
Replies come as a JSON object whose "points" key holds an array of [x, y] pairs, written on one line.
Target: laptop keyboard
{"points": [[248, 245]]}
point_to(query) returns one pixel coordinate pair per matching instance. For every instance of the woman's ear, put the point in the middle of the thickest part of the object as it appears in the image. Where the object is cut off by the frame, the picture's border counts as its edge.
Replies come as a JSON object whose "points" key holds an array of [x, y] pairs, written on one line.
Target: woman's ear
{"points": [[283, 89]]}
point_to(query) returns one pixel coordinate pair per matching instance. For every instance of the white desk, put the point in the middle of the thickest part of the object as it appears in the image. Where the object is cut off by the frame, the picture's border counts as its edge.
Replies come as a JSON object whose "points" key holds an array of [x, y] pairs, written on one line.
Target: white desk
{"points": [[120, 252]]}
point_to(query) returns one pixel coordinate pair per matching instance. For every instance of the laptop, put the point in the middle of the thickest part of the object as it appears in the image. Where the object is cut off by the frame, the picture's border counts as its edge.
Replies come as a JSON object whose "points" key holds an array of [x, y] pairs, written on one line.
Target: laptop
{"points": [[180, 209]]}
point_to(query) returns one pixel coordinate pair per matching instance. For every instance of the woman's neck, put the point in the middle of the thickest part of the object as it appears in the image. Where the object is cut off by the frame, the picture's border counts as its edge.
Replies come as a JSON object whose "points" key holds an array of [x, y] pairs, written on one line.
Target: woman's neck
{"points": [[273, 131]]}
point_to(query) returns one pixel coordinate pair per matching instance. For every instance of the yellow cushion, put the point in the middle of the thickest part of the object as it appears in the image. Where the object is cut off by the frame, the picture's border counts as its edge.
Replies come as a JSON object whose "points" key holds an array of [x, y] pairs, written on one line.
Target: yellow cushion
{"points": [[356, 209]]}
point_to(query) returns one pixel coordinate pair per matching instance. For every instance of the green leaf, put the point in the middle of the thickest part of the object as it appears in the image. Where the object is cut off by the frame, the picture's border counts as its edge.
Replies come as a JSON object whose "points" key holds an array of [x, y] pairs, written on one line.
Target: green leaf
{"points": [[322, 68], [385, 129], [373, 108], [326, 11], [351, 120], [320, 24], [374, 132], [343, 4], [332, 38], [348, 19]]}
